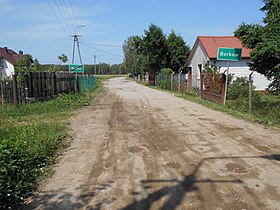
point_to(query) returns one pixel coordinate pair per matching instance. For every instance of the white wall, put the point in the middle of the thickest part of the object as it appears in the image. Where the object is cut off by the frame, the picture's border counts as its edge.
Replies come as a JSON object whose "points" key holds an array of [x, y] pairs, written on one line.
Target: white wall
{"points": [[199, 57], [8, 69], [241, 69], [238, 68]]}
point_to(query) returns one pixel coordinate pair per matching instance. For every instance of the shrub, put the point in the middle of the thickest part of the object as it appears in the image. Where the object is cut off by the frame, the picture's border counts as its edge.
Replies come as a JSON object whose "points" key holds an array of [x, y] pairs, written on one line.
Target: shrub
{"points": [[24, 152], [31, 136], [163, 85], [239, 88], [166, 71]]}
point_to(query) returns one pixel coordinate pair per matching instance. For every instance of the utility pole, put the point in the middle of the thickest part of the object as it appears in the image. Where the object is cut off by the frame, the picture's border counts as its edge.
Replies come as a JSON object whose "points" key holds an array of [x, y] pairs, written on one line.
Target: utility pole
{"points": [[76, 41], [94, 64]]}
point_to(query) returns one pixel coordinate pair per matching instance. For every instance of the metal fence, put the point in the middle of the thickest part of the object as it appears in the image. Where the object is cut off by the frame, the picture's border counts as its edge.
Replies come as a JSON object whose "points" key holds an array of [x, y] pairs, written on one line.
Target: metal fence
{"points": [[86, 83], [173, 82]]}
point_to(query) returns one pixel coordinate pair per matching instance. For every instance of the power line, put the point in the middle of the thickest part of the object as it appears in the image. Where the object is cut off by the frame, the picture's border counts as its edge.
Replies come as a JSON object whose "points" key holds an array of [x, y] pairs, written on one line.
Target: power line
{"points": [[100, 50], [75, 19], [106, 45], [64, 6], [58, 18], [63, 18]]}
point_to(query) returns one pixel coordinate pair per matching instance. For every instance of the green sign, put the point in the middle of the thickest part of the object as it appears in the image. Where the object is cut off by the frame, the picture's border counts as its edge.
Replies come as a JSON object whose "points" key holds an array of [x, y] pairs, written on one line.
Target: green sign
{"points": [[229, 54], [76, 68]]}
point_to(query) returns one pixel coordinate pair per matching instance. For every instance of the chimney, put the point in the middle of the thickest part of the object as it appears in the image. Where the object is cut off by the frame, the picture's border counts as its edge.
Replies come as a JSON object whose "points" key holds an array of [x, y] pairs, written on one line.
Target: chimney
{"points": [[20, 52], [6, 49]]}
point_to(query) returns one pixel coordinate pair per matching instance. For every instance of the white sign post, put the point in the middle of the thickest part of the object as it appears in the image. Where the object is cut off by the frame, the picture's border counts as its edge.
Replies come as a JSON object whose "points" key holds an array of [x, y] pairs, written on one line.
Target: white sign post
{"points": [[228, 54]]}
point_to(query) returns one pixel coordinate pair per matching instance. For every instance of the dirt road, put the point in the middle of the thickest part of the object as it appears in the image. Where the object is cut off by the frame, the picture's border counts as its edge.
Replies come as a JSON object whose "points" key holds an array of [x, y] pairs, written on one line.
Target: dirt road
{"points": [[139, 148]]}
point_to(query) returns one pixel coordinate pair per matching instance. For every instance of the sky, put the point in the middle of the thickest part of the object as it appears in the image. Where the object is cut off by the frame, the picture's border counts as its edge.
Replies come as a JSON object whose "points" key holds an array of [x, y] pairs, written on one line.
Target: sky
{"points": [[43, 28]]}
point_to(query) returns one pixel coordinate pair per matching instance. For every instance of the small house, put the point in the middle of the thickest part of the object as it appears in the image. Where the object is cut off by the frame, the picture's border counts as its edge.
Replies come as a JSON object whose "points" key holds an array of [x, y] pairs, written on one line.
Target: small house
{"points": [[205, 51], [8, 59]]}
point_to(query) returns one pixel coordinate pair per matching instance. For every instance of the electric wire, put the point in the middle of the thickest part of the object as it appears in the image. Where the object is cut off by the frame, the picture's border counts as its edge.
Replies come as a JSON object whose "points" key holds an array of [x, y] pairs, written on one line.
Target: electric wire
{"points": [[63, 18], [58, 19], [70, 20], [106, 45], [66, 11], [100, 50], [73, 13]]}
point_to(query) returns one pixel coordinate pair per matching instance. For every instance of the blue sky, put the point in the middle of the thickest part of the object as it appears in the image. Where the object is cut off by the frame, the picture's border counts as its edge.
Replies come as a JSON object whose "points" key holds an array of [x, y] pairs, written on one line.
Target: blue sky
{"points": [[32, 26]]}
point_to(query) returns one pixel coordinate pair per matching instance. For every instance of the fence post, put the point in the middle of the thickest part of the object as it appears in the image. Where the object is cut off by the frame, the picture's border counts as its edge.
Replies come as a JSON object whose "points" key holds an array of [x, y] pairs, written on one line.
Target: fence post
{"points": [[172, 80], [250, 92], [201, 83], [54, 84], [15, 95], [179, 80], [26, 88]]}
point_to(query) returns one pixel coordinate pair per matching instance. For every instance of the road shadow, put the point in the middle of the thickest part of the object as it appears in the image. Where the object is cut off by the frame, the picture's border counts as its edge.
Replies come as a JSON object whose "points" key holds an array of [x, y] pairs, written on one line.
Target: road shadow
{"points": [[59, 199], [176, 193], [174, 190]]}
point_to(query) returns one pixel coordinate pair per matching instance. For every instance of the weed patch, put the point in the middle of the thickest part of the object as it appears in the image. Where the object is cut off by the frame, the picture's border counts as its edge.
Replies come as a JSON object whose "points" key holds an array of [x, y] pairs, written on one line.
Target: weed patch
{"points": [[31, 138]]}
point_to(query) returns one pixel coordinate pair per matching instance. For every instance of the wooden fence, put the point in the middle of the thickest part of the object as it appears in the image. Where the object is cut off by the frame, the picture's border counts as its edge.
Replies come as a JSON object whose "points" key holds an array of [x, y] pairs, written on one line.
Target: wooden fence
{"points": [[37, 86]]}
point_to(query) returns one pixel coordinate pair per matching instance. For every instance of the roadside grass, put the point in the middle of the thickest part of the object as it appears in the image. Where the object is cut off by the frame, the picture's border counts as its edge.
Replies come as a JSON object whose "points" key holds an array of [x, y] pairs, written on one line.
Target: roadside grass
{"points": [[31, 138], [267, 115], [265, 110]]}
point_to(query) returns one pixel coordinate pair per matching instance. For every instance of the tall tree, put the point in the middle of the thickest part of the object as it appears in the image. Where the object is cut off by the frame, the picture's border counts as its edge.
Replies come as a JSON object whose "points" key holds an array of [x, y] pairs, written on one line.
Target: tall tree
{"points": [[154, 48], [131, 54], [265, 43], [178, 51]]}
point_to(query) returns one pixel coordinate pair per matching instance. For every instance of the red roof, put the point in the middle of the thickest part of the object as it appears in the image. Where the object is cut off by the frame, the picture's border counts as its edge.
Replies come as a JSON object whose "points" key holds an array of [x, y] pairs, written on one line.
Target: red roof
{"points": [[212, 43], [10, 55]]}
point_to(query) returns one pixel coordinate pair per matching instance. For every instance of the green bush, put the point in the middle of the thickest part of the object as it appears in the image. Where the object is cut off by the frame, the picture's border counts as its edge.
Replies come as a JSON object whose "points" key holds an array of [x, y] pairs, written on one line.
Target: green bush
{"points": [[31, 136], [163, 85], [166, 71], [24, 152], [239, 88], [192, 91]]}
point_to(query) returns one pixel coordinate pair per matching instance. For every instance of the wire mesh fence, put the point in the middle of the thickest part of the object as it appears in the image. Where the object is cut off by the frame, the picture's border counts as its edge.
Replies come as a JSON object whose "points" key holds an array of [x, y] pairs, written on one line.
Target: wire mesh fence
{"points": [[173, 82]]}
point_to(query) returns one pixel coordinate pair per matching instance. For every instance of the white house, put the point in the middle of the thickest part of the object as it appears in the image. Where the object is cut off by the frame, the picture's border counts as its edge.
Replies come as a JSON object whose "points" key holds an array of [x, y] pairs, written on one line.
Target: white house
{"points": [[205, 51], [8, 59]]}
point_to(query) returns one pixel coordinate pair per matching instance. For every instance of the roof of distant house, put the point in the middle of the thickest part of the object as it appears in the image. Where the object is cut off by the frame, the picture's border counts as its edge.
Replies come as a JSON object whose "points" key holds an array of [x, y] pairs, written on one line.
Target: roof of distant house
{"points": [[212, 43], [10, 55]]}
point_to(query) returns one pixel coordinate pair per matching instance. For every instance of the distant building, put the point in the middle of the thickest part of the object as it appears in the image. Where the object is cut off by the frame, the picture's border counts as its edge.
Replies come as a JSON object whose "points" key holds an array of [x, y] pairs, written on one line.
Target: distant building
{"points": [[8, 59], [205, 51]]}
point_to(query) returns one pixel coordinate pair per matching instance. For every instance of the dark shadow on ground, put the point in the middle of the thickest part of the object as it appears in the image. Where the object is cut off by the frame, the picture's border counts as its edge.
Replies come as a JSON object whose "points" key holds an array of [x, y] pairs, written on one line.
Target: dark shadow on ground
{"points": [[60, 199], [175, 190], [176, 193]]}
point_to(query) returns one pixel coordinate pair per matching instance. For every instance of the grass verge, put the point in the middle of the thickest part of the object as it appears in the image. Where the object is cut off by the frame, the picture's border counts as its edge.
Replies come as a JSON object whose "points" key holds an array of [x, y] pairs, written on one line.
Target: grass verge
{"points": [[32, 136], [263, 113]]}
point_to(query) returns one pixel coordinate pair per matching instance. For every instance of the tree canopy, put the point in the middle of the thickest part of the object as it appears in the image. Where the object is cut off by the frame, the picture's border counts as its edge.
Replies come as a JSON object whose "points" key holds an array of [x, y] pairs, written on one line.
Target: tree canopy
{"points": [[63, 58], [154, 51], [178, 51], [264, 40], [25, 64]]}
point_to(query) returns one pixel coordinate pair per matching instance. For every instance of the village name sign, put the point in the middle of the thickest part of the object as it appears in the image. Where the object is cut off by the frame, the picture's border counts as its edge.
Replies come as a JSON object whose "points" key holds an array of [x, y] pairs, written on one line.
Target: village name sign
{"points": [[229, 54]]}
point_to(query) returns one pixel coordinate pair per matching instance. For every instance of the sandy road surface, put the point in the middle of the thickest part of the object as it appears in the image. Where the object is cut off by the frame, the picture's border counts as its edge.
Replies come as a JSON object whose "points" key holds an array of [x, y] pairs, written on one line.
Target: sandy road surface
{"points": [[138, 148]]}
